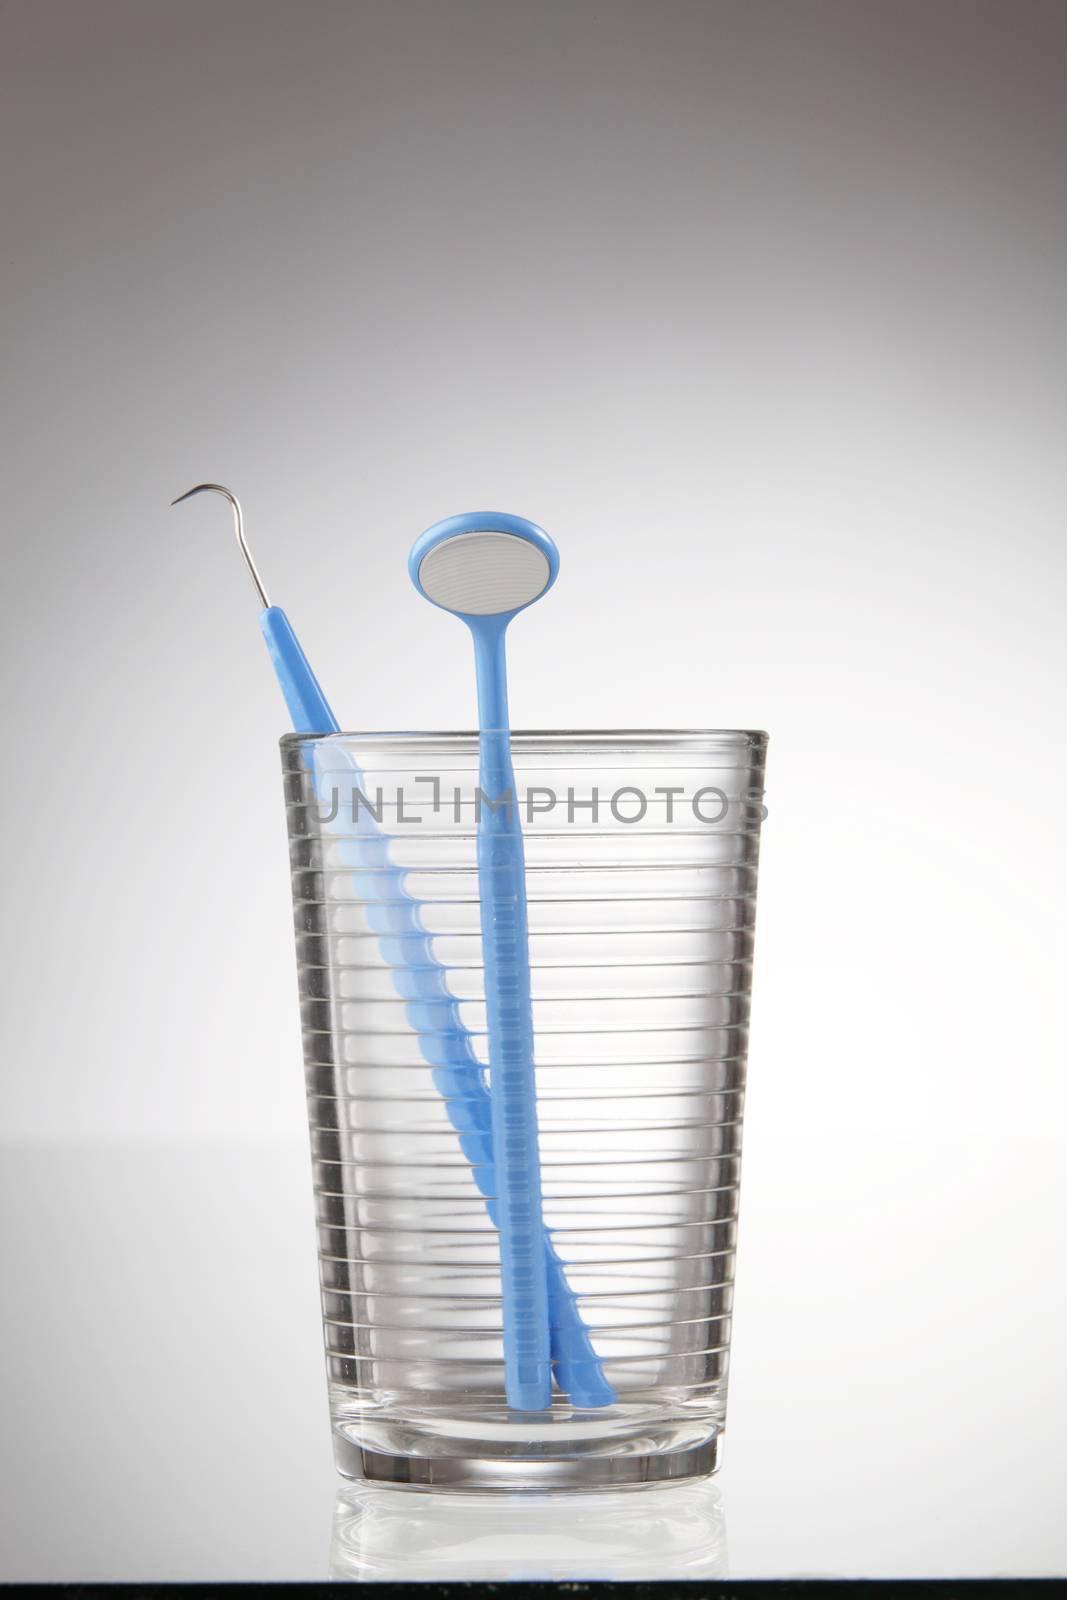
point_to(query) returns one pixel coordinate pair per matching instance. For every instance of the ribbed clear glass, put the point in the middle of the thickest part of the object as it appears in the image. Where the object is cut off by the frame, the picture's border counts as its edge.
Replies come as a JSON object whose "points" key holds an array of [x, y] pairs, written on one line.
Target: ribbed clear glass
{"points": [[641, 862]]}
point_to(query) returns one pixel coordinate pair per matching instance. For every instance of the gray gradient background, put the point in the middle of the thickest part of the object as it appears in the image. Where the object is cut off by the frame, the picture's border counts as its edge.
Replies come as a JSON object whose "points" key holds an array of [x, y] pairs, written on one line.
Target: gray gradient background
{"points": [[758, 308]]}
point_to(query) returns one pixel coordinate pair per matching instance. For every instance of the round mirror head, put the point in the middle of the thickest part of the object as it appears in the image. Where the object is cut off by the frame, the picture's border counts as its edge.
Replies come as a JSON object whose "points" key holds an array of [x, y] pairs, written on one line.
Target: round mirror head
{"points": [[483, 574], [484, 565]]}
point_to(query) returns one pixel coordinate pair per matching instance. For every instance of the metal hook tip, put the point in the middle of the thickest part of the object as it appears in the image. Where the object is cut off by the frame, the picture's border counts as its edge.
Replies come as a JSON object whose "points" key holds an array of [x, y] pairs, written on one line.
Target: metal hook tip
{"points": [[213, 488], [238, 521]]}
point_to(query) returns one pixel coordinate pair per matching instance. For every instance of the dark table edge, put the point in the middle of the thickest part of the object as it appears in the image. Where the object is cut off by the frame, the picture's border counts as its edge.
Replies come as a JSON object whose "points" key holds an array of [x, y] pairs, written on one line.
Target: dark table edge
{"points": [[696, 1589]]}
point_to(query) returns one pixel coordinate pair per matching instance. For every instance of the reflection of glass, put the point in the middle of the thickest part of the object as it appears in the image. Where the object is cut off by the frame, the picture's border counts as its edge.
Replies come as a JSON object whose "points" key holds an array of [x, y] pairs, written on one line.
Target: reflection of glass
{"points": [[388, 1535]]}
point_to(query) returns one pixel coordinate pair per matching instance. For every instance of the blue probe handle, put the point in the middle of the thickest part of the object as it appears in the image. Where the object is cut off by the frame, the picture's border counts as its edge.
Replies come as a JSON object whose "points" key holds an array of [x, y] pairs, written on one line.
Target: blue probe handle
{"points": [[308, 706]]}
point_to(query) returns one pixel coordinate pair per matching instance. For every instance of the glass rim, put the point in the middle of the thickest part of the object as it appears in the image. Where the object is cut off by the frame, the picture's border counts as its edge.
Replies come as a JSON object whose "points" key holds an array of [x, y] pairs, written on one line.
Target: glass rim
{"points": [[692, 738]]}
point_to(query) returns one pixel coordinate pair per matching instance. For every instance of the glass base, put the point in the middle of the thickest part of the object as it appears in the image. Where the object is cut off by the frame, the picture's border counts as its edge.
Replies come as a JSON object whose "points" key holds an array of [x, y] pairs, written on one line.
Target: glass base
{"points": [[514, 1475]]}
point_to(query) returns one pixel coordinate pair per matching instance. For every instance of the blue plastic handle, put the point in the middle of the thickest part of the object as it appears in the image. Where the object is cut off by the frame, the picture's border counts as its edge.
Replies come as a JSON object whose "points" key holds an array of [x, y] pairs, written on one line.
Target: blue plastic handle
{"points": [[308, 706], [433, 1012], [512, 1088]]}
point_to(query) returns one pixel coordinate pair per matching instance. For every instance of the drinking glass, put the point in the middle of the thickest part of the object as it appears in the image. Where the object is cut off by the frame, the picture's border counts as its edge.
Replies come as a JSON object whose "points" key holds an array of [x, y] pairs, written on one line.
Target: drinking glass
{"points": [[641, 861]]}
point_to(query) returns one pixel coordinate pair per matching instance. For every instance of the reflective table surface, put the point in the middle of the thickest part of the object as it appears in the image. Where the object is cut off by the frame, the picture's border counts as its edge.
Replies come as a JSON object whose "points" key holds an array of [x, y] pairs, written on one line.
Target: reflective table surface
{"points": [[897, 1407]]}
